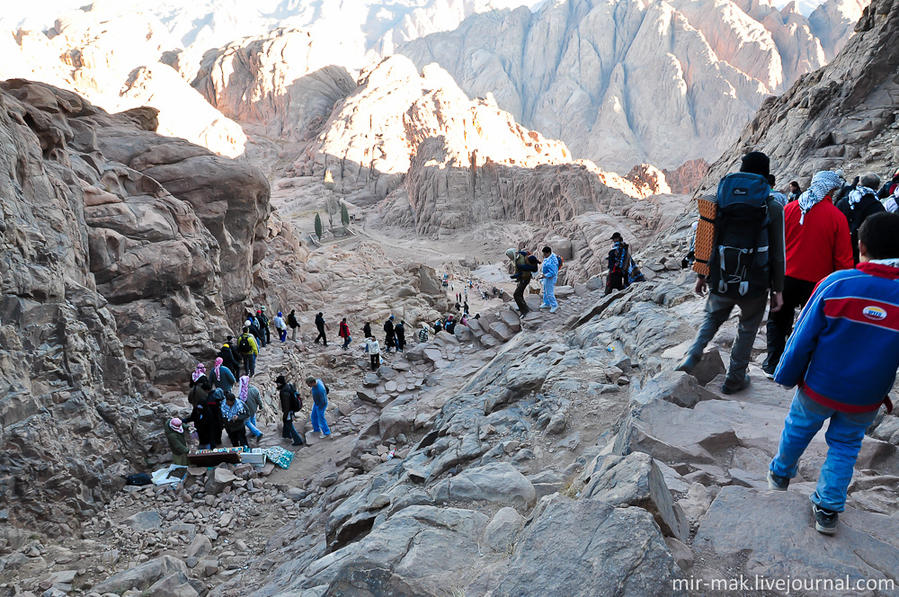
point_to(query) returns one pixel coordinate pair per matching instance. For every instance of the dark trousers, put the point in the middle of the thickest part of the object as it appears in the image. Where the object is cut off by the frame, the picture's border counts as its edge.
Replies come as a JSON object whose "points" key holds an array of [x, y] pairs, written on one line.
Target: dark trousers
{"points": [[780, 323], [346, 342], [518, 295], [321, 336], [238, 437], [717, 310], [615, 281], [375, 361], [288, 431]]}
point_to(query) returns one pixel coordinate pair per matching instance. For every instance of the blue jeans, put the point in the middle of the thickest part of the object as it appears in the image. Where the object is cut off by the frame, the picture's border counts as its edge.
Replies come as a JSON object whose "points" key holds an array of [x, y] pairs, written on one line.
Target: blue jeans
{"points": [[844, 439], [549, 292], [251, 425], [318, 419]]}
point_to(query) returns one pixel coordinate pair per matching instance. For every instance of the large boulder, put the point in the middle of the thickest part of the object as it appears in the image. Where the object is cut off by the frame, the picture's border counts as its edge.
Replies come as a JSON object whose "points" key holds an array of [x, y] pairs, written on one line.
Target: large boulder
{"points": [[142, 576], [497, 482]]}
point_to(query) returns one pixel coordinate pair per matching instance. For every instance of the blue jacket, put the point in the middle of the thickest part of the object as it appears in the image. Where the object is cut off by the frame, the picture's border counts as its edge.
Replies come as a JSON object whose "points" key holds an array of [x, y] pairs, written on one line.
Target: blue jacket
{"points": [[550, 266], [844, 350], [319, 395]]}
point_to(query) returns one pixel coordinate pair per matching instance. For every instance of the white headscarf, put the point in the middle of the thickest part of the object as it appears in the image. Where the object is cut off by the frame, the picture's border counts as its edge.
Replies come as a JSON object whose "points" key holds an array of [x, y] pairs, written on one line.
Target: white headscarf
{"points": [[822, 183], [856, 194]]}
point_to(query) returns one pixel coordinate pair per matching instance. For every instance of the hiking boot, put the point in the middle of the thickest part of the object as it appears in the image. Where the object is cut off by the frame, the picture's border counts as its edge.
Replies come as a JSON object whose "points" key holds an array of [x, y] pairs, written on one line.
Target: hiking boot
{"points": [[732, 387], [297, 444], [689, 363], [553, 309], [825, 520], [544, 306], [777, 483], [769, 373]]}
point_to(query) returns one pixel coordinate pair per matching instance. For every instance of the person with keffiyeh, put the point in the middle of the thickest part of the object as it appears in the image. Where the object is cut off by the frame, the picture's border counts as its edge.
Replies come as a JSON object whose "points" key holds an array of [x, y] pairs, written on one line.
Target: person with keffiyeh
{"points": [[858, 204], [221, 376], [818, 243]]}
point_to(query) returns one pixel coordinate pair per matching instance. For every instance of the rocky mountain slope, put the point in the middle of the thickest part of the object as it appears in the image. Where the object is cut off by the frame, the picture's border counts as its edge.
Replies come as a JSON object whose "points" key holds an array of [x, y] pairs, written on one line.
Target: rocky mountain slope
{"points": [[125, 254], [841, 116], [625, 82]]}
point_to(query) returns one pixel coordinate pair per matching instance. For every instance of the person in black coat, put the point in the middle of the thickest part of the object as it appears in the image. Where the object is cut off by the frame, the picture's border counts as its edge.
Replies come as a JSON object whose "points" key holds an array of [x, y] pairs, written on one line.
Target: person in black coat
{"points": [[400, 331], [389, 334], [320, 326], [860, 203], [293, 323], [366, 330], [228, 356]]}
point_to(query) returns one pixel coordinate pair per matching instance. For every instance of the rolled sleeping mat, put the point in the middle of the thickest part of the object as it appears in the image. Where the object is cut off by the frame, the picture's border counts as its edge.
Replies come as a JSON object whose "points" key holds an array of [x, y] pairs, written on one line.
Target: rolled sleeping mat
{"points": [[705, 236]]}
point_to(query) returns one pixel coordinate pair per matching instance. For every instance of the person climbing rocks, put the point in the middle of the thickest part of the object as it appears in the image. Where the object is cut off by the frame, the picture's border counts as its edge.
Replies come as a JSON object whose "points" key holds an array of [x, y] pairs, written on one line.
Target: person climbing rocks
{"points": [[320, 326], [344, 332], [234, 418], [795, 191], [623, 271], [319, 404], [748, 222], [294, 324], [248, 350], [221, 376], [179, 440], [550, 271], [400, 331], [423, 333], [374, 352], [249, 395], [228, 354], [262, 318], [290, 405], [858, 204], [523, 265], [366, 330], [280, 326], [842, 358], [389, 334], [817, 241]]}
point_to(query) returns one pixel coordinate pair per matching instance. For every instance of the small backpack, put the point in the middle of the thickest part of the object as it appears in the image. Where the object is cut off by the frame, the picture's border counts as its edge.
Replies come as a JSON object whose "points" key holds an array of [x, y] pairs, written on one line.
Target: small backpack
{"points": [[740, 264], [560, 260], [243, 345], [296, 403]]}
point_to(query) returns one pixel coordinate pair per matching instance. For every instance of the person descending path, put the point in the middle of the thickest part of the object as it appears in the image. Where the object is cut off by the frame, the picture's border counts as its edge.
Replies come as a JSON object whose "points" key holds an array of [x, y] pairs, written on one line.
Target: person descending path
{"points": [[389, 334], [178, 439], [748, 225], [248, 350], [860, 203], [221, 376], [374, 352], [366, 330], [523, 265], [843, 357], [281, 326], [550, 271], [294, 324], [234, 418], [320, 326], [817, 243], [344, 333], [229, 356], [252, 400], [400, 331], [622, 270], [290, 405], [319, 403]]}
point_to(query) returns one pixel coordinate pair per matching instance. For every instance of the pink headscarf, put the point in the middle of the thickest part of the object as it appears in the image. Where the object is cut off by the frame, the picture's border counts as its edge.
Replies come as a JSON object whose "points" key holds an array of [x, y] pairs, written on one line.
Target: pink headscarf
{"points": [[217, 368], [199, 372], [244, 388], [175, 424]]}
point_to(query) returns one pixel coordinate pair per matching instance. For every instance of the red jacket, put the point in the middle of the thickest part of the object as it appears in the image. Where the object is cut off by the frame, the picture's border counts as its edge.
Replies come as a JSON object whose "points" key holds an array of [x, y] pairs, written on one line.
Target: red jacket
{"points": [[344, 330], [818, 247]]}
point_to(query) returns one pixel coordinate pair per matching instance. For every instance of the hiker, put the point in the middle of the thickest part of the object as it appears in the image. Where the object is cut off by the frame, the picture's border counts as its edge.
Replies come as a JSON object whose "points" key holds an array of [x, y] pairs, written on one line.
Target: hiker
{"points": [[344, 333], [622, 270], [748, 219], [890, 187], [423, 333], [366, 330], [281, 326], [199, 385], [234, 417], [816, 236], [248, 350], [263, 326], [795, 191], [320, 326], [524, 265], [860, 203], [252, 400], [465, 307], [290, 404], [438, 325], [400, 331], [221, 376], [253, 325], [374, 352], [778, 196], [294, 324], [843, 357], [206, 415], [389, 334], [450, 325], [178, 439], [319, 404], [216, 423], [229, 356], [550, 271]]}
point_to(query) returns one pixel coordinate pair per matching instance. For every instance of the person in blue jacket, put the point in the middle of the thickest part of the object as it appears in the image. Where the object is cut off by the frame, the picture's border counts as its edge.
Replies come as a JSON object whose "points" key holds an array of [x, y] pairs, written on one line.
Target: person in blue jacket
{"points": [[319, 404], [843, 357], [550, 271]]}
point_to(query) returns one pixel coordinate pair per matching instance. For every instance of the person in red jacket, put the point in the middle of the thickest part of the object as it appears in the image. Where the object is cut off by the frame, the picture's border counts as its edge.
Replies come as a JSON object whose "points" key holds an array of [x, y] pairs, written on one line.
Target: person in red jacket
{"points": [[817, 242], [344, 333]]}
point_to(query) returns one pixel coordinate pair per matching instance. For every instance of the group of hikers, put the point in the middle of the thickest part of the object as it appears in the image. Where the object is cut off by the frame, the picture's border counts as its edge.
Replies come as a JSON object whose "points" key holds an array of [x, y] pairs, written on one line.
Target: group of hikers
{"points": [[833, 251], [255, 335]]}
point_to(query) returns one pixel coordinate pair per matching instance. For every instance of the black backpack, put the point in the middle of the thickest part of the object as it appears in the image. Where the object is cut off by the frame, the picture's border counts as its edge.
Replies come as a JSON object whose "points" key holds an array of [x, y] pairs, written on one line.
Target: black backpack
{"points": [[296, 404], [243, 345], [740, 264]]}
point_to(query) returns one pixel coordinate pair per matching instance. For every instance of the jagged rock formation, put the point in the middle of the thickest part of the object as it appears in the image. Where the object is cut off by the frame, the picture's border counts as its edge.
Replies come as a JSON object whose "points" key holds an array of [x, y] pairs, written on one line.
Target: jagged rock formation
{"points": [[841, 116], [123, 251], [625, 82]]}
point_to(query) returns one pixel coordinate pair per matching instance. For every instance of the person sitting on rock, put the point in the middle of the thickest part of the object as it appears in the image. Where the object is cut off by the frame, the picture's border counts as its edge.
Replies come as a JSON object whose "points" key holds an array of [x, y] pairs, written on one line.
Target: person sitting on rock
{"points": [[293, 323], [550, 271], [858, 204], [843, 357], [423, 333], [524, 265], [248, 350], [623, 271], [228, 354], [320, 326], [278, 322], [290, 405], [400, 331], [252, 400], [344, 332], [450, 325], [221, 376], [179, 440], [374, 352], [234, 417], [319, 405]]}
